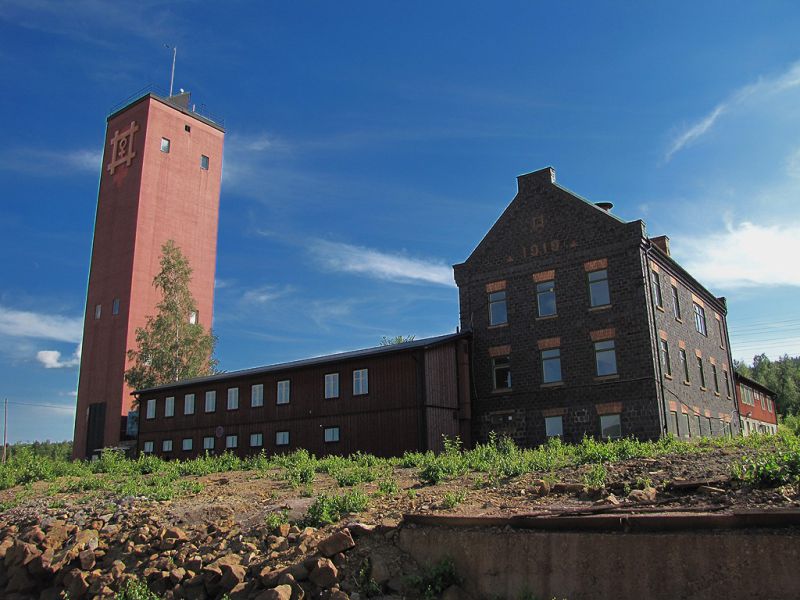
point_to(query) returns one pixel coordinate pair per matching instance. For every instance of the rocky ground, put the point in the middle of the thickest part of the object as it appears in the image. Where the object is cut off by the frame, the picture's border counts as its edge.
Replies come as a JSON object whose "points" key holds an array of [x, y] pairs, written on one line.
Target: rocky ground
{"points": [[217, 541]]}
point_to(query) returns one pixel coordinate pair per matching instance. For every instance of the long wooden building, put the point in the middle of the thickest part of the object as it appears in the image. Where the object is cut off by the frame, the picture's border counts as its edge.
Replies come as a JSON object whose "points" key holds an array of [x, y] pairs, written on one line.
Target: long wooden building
{"points": [[383, 401]]}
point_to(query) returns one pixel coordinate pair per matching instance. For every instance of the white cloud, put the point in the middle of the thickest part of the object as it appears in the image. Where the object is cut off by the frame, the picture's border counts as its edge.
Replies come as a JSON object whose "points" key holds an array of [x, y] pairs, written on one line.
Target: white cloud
{"points": [[759, 90], [745, 255], [264, 294], [381, 265], [793, 164], [51, 163], [20, 323], [51, 359]]}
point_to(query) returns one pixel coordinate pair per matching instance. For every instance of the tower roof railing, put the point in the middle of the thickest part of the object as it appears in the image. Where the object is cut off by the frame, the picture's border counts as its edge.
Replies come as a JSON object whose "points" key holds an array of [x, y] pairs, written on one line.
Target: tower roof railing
{"points": [[152, 89]]}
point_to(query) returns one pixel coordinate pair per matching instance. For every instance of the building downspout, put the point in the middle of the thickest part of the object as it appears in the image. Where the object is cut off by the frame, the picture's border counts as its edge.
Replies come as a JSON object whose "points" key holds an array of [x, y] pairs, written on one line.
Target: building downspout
{"points": [[732, 378], [654, 335]]}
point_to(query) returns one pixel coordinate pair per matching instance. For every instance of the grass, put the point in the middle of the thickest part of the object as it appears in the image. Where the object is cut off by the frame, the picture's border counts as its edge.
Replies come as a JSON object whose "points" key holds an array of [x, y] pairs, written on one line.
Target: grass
{"points": [[328, 509], [453, 499]]}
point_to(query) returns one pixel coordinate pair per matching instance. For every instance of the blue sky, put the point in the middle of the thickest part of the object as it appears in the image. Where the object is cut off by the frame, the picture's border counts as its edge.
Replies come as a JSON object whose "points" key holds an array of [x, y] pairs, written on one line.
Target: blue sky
{"points": [[371, 145]]}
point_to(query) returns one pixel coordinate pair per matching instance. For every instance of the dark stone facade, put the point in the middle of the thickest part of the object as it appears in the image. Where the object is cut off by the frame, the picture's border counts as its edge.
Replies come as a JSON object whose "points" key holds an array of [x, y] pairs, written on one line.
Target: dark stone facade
{"points": [[548, 233]]}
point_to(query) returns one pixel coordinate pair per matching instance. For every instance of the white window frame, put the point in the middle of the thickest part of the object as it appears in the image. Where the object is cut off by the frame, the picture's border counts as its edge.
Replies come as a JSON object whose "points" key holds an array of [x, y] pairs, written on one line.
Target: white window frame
{"points": [[231, 441], [207, 445], [188, 404], [602, 347], [550, 356], [169, 406], [331, 435], [360, 382], [281, 439], [554, 426], [257, 395], [211, 401], [150, 409], [545, 289], [166, 446], [284, 391], [256, 440], [233, 398], [148, 447], [331, 385], [165, 147], [186, 444], [607, 421]]}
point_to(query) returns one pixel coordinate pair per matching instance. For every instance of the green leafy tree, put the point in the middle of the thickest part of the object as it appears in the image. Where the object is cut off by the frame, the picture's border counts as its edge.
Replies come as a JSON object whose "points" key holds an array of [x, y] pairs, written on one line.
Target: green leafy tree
{"points": [[398, 339], [172, 345]]}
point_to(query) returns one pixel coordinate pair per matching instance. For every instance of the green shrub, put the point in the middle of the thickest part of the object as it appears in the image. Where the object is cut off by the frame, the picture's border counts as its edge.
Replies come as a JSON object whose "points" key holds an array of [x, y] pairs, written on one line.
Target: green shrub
{"points": [[453, 499], [329, 509], [435, 580]]}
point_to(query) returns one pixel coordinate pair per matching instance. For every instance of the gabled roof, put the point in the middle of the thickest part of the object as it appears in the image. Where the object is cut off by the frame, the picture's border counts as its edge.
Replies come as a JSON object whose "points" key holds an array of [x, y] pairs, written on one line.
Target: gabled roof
{"points": [[309, 362], [753, 383]]}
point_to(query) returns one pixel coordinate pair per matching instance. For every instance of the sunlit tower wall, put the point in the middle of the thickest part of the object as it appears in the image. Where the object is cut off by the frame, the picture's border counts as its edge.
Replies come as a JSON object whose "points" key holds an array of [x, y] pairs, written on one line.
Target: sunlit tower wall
{"points": [[160, 180]]}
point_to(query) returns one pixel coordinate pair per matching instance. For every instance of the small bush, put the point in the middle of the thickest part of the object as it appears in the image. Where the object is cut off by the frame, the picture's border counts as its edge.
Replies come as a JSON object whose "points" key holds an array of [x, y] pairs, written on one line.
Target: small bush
{"points": [[330, 509], [435, 580], [453, 499], [276, 519]]}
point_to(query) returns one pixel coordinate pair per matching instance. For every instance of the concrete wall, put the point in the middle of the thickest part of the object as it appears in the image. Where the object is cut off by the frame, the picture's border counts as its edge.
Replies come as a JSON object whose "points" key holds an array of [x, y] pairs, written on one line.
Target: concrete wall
{"points": [[503, 563]]}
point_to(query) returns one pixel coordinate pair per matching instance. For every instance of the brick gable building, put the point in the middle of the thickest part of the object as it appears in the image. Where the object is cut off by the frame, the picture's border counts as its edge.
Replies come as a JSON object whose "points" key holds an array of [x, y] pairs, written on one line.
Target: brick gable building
{"points": [[582, 324]]}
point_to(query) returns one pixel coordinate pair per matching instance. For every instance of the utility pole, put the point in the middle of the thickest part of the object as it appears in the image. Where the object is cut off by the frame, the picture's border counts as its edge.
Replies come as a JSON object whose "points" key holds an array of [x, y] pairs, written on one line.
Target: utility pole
{"points": [[5, 428]]}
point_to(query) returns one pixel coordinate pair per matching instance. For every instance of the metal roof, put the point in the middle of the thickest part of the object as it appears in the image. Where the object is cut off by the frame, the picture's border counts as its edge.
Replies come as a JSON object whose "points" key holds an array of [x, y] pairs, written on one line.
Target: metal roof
{"points": [[308, 362]]}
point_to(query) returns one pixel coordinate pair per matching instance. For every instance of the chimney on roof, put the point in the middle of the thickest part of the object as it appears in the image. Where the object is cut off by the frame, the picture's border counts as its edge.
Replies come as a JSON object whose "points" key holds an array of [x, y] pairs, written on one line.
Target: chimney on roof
{"points": [[606, 206], [662, 243], [530, 180]]}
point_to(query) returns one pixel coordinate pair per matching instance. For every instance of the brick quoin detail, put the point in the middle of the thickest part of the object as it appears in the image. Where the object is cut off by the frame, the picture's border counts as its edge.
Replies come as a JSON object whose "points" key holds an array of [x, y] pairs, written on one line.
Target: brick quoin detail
{"points": [[654, 266], [673, 406], [603, 334], [544, 276], [497, 286], [548, 343], [681, 344], [698, 353], [662, 334], [699, 301]]}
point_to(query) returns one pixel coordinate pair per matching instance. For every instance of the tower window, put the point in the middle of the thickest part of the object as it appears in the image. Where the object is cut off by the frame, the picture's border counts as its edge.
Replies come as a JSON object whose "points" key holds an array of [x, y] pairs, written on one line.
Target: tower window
{"points": [[204, 162], [187, 128], [115, 307], [165, 145], [98, 309], [193, 318]]}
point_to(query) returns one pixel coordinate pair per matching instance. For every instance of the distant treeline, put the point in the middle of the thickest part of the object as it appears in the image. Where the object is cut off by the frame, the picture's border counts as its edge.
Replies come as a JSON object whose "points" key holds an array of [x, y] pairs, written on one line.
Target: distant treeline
{"points": [[48, 449], [782, 376]]}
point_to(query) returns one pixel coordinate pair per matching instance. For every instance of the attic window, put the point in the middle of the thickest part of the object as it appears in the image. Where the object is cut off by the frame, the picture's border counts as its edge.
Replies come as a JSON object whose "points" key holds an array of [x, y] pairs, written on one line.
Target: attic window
{"points": [[187, 128]]}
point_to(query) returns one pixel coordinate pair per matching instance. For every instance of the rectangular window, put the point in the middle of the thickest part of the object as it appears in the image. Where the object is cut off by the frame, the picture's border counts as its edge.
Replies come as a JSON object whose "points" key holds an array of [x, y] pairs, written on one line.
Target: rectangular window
{"points": [[684, 365], [284, 390], [208, 443], [257, 395], [710, 427], [727, 384], [115, 306], [164, 144], [331, 434], [331, 385], [700, 319], [166, 446], [715, 378], [674, 416], [231, 441], [769, 404], [281, 438], [551, 365], [676, 303], [211, 401], [702, 372], [498, 312], [193, 316], [501, 373], [256, 440], [666, 364], [610, 427], [546, 298], [148, 447], [233, 398], [98, 310], [151, 409], [657, 298], [699, 426], [721, 334], [169, 406], [204, 162], [598, 288], [688, 425], [188, 404], [360, 382], [554, 426], [187, 128], [605, 357], [186, 444]]}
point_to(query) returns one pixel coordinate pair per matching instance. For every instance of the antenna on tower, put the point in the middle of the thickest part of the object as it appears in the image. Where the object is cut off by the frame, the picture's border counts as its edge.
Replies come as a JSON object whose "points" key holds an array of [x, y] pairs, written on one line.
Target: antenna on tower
{"points": [[174, 56]]}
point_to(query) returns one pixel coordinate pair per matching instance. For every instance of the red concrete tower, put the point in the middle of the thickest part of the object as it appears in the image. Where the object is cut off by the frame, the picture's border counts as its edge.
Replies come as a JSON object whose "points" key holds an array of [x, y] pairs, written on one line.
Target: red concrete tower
{"points": [[161, 175]]}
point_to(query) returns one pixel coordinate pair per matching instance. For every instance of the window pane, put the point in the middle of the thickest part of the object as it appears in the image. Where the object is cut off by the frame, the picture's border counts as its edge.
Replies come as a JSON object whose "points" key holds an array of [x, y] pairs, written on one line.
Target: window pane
{"points": [[204, 162], [676, 303], [610, 426], [164, 145], [551, 365], [598, 288], [546, 298], [151, 409], [331, 434], [282, 438], [188, 404], [665, 362], [700, 319], [256, 439], [233, 398], [231, 441], [169, 407], [360, 382], [553, 426], [208, 443], [501, 367], [166, 446], [605, 357], [186, 445], [211, 401], [115, 306], [257, 395], [497, 308], [659, 301], [332, 385], [284, 391]]}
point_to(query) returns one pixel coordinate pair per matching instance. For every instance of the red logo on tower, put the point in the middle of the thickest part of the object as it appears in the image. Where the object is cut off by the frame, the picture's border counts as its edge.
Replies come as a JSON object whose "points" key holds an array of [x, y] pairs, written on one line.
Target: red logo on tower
{"points": [[122, 148]]}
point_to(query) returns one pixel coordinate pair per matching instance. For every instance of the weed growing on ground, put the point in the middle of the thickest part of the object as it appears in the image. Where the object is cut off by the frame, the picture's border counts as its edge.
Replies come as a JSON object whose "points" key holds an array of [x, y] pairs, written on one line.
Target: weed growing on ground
{"points": [[275, 519], [771, 467], [329, 509], [388, 487], [595, 477], [453, 499], [435, 580]]}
